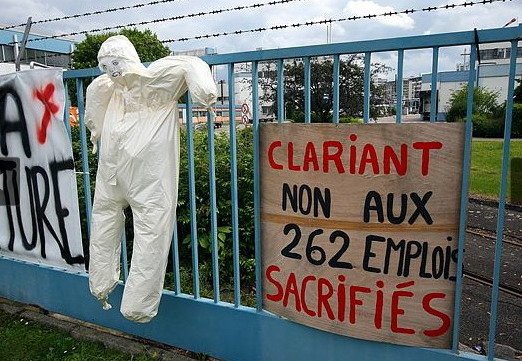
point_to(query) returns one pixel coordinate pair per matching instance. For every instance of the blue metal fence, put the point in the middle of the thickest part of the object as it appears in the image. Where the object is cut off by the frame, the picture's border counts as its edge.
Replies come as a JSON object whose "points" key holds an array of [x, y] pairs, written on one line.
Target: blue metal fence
{"points": [[232, 331]]}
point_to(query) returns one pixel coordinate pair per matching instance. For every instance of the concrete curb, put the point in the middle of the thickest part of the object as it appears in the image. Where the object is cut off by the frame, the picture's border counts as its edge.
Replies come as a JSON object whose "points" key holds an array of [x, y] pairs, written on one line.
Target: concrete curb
{"points": [[494, 203]]}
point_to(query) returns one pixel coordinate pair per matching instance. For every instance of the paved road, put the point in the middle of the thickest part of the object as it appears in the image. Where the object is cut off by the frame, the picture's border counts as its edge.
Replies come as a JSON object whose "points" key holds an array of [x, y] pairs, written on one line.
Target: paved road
{"points": [[479, 255], [485, 216], [404, 119]]}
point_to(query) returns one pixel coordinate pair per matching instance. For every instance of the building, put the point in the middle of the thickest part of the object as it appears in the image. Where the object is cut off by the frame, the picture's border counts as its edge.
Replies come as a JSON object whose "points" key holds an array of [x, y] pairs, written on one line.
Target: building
{"points": [[46, 52], [492, 73], [411, 88], [243, 88], [196, 52]]}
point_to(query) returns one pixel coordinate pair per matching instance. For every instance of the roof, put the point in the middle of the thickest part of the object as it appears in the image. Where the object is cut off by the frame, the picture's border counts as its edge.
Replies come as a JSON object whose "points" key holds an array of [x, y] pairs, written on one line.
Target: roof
{"points": [[485, 71], [54, 45]]}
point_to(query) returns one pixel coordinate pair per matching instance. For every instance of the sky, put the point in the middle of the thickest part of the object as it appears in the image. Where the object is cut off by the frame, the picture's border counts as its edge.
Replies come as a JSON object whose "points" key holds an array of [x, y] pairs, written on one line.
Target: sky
{"points": [[295, 11]]}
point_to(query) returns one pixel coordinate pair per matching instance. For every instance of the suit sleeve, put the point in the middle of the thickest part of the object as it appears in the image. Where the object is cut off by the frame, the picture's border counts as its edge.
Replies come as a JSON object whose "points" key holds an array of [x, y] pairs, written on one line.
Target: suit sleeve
{"points": [[99, 94], [182, 72]]}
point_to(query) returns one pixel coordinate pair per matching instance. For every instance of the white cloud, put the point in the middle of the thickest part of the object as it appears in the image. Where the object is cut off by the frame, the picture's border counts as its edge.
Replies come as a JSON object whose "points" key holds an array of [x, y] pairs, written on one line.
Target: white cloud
{"points": [[480, 16], [366, 7], [17, 11]]}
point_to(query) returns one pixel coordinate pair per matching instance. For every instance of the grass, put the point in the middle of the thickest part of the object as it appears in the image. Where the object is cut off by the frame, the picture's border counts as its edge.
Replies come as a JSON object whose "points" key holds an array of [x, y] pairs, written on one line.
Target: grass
{"points": [[486, 161], [22, 339]]}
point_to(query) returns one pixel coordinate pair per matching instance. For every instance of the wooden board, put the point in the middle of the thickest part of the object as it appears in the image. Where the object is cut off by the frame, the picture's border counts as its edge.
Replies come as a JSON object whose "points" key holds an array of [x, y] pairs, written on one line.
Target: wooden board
{"points": [[360, 228]]}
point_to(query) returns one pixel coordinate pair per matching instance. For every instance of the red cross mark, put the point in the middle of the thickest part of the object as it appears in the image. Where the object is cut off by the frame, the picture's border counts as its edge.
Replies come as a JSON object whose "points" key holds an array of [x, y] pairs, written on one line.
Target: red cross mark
{"points": [[45, 96]]}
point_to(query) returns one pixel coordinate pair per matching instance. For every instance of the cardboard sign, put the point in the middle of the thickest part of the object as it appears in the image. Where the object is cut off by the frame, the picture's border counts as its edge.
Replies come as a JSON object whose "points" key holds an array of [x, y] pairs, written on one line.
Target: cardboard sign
{"points": [[360, 228], [39, 217]]}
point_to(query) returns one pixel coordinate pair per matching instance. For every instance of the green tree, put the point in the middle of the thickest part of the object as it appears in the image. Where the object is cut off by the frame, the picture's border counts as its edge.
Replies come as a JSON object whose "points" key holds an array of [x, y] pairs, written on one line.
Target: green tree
{"points": [[484, 103], [147, 45], [351, 82], [488, 115]]}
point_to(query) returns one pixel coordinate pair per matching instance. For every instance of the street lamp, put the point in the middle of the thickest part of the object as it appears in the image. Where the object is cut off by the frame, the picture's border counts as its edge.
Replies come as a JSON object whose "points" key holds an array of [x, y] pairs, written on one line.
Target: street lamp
{"points": [[221, 82]]}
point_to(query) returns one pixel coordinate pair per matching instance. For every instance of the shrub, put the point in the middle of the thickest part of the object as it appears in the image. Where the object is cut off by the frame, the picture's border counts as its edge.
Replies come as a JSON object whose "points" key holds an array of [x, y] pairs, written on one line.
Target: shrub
{"points": [[245, 187], [486, 126], [484, 102], [488, 116]]}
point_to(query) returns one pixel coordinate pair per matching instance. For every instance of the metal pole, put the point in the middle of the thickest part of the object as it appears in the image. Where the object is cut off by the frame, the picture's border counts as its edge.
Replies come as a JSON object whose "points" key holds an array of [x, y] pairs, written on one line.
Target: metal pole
{"points": [[24, 41]]}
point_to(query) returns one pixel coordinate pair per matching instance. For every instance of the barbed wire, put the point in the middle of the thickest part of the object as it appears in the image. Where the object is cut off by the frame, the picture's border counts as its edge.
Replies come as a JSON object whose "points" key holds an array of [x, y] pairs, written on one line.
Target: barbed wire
{"points": [[286, 26], [330, 21], [173, 18], [92, 13], [212, 12]]}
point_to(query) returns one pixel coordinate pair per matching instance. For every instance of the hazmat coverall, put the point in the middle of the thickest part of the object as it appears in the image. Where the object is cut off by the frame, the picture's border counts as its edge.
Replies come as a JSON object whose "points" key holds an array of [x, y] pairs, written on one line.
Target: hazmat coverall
{"points": [[132, 111]]}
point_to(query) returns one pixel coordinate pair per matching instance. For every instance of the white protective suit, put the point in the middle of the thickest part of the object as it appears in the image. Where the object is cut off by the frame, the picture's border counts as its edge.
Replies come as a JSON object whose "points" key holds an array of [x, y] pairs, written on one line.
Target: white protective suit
{"points": [[132, 111]]}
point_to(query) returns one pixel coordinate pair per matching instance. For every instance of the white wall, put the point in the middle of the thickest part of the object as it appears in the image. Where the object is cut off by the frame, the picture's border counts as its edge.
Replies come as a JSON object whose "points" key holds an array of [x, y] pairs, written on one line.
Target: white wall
{"points": [[6, 68], [498, 84], [445, 91]]}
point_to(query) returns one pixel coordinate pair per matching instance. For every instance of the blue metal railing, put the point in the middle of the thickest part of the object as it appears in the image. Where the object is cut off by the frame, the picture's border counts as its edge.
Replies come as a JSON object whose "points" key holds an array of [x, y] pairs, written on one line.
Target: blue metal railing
{"points": [[399, 45], [464, 199], [192, 200], [399, 82], [502, 201], [233, 182]]}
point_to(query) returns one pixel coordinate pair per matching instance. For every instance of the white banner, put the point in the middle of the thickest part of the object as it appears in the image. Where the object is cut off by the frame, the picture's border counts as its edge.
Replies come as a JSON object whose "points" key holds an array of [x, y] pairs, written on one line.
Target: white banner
{"points": [[39, 215]]}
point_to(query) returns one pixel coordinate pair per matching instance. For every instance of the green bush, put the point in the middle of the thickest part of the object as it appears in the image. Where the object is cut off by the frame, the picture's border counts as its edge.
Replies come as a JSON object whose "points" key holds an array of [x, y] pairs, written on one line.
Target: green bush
{"points": [[484, 102], [488, 116], [486, 126], [245, 185]]}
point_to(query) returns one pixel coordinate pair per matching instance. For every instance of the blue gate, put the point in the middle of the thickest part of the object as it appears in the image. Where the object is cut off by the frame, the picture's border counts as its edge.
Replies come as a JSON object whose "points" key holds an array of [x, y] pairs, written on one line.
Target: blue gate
{"points": [[233, 331]]}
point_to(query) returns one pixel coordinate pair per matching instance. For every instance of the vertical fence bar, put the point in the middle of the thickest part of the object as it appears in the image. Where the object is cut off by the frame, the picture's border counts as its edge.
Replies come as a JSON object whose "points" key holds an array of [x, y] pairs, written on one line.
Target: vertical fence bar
{"points": [[66, 111], [367, 78], [213, 205], [124, 262], [192, 200], [434, 75], [464, 201], [398, 86], [85, 154], [175, 260], [280, 91], [307, 90], [257, 194], [336, 74], [502, 201], [233, 182]]}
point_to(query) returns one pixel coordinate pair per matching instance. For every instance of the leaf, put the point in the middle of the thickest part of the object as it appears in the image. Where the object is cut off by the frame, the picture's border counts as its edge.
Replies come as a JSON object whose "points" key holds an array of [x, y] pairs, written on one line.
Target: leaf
{"points": [[225, 229], [204, 241]]}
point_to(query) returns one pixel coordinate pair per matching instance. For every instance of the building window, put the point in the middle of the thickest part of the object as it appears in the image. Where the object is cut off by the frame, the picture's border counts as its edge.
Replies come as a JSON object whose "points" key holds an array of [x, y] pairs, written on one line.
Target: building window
{"points": [[519, 52], [266, 110], [39, 56], [489, 54], [7, 53]]}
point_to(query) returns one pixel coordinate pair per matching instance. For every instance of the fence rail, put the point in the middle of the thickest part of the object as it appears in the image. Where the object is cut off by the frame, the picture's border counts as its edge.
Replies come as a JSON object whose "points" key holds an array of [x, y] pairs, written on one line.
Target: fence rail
{"points": [[230, 330]]}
